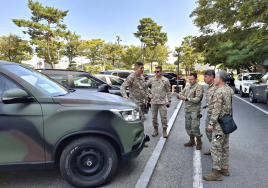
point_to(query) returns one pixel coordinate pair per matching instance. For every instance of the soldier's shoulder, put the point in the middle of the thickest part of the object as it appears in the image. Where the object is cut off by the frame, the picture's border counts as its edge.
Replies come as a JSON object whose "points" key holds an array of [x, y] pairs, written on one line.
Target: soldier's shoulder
{"points": [[165, 79], [132, 75], [199, 86]]}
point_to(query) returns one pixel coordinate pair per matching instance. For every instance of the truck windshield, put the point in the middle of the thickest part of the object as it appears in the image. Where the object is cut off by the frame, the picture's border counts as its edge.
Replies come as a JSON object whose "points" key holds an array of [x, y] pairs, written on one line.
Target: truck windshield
{"points": [[38, 80]]}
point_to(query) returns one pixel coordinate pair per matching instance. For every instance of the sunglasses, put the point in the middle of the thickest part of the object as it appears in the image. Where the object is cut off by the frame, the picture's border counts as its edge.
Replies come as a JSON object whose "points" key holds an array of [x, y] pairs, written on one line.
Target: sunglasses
{"points": [[156, 71]]}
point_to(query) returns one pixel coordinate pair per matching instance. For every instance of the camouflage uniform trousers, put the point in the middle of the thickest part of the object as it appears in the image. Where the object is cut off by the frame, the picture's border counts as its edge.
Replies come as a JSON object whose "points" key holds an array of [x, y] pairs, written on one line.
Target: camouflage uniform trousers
{"points": [[220, 148], [192, 124], [163, 114], [142, 108], [208, 133]]}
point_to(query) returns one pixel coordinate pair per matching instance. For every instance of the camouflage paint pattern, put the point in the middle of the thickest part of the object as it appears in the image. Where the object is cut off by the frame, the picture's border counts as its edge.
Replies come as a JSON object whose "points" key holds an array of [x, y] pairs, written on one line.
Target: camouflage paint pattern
{"points": [[209, 106], [163, 114], [160, 89], [194, 94], [192, 124], [30, 131], [222, 103], [138, 91]]}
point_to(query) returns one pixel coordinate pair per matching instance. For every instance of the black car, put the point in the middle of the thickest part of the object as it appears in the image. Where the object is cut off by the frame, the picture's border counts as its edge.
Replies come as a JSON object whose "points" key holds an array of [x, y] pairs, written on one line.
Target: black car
{"points": [[230, 80], [259, 90], [81, 81], [181, 80], [171, 79]]}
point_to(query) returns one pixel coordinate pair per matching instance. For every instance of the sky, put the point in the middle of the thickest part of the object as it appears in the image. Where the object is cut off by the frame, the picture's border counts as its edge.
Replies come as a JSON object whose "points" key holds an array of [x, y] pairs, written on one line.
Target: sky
{"points": [[93, 19]]}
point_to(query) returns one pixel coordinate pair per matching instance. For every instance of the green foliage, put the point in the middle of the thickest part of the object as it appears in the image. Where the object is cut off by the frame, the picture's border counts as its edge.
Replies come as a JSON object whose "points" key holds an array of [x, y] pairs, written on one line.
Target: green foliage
{"points": [[109, 66], [14, 48], [241, 23], [91, 49], [112, 52], [130, 56], [150, 35], [93, 69], [72, 65], [71, 47], [45, 28]]}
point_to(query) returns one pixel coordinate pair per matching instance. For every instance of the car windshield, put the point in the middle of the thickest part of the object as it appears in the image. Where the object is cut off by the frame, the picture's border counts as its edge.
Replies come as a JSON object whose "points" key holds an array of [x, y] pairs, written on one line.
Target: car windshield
{"points": [[252, 77], [38, 80]]}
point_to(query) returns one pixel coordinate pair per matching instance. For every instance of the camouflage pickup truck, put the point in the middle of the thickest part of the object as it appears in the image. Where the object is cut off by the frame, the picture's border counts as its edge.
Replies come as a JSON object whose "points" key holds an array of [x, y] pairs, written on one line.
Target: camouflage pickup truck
{"points": [[44, 125]]}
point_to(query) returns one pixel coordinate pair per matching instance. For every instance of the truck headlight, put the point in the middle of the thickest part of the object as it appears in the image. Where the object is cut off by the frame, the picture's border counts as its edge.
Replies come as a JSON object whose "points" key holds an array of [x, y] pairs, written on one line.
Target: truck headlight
{"points": [[127, 114]]}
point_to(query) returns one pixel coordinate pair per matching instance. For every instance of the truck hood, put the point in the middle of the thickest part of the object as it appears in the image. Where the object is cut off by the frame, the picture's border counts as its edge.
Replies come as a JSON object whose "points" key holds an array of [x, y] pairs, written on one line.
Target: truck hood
{"points": [[95, 100]]}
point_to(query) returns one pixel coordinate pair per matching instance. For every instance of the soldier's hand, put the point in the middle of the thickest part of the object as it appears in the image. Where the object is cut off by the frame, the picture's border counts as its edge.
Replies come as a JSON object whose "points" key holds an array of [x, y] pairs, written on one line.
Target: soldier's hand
{"points": [[146, 105], [168, 103], [210, 128], [127, 97], [151, 96]]}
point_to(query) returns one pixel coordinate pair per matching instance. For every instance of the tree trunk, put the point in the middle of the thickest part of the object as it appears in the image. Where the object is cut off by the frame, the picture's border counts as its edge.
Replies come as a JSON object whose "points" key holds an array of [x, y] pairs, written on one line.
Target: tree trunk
{"points": [[151, 67], [238, 71]]}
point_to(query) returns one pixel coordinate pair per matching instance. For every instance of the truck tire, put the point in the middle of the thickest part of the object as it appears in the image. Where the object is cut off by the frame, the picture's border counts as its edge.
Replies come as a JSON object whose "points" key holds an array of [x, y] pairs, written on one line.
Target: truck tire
{"points": [[88, 162]]}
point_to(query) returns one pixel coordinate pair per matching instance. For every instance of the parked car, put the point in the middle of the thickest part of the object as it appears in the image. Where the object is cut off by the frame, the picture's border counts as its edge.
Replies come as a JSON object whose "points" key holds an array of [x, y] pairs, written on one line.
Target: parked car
{"points": [[45, 125], [230, 80], [244, 80], [182, 81], [171, 79], [110, 79], [81, 81], [120, 73], [259, 90]]}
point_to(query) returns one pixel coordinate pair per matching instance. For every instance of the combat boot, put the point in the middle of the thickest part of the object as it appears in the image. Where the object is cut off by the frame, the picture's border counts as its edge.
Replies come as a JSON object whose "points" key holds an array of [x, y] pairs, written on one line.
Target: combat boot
{"points": [[215, 175], [165, 135], [225, 171], [191, 142], [207, 152], [146, 145], [155, 133], [199, 144]]}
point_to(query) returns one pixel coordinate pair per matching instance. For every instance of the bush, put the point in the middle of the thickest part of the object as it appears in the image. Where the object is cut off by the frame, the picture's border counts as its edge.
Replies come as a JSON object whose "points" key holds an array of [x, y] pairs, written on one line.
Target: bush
{"points": [[93, 69]]}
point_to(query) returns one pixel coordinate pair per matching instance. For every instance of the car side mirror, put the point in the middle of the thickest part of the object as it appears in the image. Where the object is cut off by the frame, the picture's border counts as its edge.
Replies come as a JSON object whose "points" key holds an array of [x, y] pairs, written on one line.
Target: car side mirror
{"points": [[15, 96], [103, 88]]}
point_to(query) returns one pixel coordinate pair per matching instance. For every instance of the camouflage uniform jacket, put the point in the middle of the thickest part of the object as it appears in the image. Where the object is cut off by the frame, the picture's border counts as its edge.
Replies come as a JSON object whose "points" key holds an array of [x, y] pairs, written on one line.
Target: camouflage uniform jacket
{"points": [[160, 90], [209, 97], [194, 94], [138, 91], [222, 103]]}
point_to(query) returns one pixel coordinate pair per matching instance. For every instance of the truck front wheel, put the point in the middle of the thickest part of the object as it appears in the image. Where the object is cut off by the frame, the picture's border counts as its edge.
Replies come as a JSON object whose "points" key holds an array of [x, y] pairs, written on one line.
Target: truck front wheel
{"points": [[88, 162]]}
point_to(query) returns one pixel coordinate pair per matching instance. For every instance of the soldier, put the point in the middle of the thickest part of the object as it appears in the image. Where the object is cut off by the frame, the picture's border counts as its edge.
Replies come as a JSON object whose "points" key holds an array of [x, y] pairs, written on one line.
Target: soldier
{"points": [[209, 76], [160, 88], [192, 95], [222, 105]]}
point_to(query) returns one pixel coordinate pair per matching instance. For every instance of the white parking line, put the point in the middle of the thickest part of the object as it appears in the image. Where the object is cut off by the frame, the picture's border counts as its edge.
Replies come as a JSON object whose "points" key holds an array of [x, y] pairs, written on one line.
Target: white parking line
{"points": [[252, 104], [197, 176], [150, 166]]}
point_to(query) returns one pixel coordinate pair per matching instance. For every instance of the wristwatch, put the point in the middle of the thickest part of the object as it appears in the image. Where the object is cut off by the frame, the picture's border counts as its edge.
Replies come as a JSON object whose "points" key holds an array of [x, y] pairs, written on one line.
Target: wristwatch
{"points": [[186, 99], [169, 101]]}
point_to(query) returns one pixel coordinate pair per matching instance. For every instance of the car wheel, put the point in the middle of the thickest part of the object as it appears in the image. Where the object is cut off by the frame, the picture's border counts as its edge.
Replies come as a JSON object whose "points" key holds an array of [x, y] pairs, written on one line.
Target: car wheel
{"points": [[88, 162], [242, 94], [252, 97]]}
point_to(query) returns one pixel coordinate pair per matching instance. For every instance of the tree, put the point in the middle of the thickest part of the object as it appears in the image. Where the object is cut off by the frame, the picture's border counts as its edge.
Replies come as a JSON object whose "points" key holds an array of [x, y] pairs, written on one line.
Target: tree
{"points": [[240, 21], [71, 48], [45, 27], [109, 66], [112, 52], [130, 56], [14, 48], [158, 54], [188, 55], [92, 49], [150, 35]]}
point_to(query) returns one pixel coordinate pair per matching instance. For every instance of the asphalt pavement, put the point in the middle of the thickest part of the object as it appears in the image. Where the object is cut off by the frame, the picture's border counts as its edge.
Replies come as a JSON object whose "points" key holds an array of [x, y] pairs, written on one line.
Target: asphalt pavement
{"points": [[248, 152]]}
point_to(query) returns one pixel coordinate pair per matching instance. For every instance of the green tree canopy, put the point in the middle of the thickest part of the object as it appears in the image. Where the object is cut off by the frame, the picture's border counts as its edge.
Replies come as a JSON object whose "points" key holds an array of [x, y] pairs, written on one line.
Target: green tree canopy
{"points": [[71, 47], [130, 56], [150, 35], [14, 48], [45, 27]]}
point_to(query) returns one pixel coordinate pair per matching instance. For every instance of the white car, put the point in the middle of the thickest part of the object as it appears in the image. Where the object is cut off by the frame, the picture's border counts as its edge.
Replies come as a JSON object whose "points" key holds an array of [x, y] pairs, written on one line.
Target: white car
{"points": [[244, 80]]}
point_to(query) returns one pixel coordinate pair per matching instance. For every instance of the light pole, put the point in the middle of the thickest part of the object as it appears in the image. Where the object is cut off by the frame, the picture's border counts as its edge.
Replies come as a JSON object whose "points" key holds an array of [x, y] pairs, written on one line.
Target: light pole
{"points": [[177, 88]]}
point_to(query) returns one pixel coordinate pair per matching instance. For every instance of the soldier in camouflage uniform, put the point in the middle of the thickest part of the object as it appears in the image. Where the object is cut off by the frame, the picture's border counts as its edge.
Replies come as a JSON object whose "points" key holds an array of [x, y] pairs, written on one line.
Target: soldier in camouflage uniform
{"points": [[160, 91], [192, 94], [222, 105], [209, 76], [138, 91]]}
